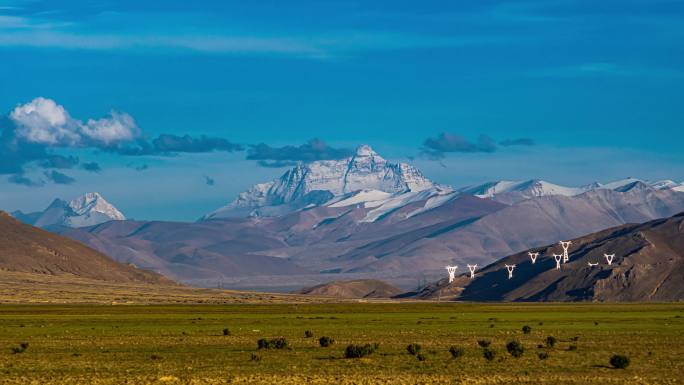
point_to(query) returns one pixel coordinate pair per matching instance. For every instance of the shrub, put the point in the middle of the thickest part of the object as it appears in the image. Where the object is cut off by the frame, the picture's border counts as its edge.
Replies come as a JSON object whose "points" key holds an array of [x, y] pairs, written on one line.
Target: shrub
{"points": [[326, 341], [413, 349], [275, 343], [456, 351], [308, 334], [572, 348], [155, 357], [226, 332], [21, 348], [420, 357], [358, 351], [526, 329], [484, 343], [279, 343], [255, 357], [488, 354], [575, 338], [551, 341], [543, 355], [619, 362], [515, 348]]}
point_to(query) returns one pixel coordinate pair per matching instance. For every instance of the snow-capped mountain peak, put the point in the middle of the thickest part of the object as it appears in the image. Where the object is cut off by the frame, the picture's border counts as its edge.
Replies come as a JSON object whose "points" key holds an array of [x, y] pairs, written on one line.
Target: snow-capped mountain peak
{"points": [[94, 202], [86, 210], [510, 192], [513, 191], [310, 183]]}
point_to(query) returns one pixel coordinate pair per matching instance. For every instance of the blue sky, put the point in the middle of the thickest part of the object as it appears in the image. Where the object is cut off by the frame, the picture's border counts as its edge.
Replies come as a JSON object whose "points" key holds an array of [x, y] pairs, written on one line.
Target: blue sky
{"points": [[594, 89]]}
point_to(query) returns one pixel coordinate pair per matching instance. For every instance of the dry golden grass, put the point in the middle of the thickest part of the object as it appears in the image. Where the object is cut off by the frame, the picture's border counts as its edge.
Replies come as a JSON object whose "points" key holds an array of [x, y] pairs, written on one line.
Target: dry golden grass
{"points": [[20, 287]]}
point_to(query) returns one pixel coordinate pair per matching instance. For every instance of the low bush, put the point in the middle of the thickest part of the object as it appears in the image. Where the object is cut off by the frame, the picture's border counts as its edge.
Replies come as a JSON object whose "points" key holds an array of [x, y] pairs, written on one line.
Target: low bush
{"points": [[484, 343], [420, 357], [358, 351], [308, 334], [543, 355], [619, 362], [551, 341], [456, 352], [21, 348], [413, 349], [515, 348], [526, 329], [275, 343], [572, 348], [326, 341], [226, 332], [255, 357], [488, 354]]}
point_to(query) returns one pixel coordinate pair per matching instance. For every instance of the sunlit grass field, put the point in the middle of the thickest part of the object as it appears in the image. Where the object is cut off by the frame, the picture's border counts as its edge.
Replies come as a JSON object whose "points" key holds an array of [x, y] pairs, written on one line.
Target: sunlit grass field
{"points": [[162, 344]]}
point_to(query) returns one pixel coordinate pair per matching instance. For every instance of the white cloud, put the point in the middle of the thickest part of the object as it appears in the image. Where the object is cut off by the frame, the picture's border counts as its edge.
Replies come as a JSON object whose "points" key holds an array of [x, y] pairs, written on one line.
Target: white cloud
{"points": [[45, 122], [120, 127]]}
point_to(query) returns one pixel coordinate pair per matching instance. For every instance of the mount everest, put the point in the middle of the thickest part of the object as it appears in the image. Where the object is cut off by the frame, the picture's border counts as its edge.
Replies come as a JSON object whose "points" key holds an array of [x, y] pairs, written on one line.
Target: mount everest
{"points": [[318, 182]]}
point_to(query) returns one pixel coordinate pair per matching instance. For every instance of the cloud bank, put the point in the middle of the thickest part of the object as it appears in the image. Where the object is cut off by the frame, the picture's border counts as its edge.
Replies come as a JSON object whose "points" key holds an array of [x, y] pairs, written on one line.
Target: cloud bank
{"points": [[436, 148], [32, 132], [314, 149]]}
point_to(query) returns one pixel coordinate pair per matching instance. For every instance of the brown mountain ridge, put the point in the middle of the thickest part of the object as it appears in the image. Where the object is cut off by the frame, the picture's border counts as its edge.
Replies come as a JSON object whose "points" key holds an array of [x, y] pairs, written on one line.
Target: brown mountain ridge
{"points": [[28, 249], [358, 288], [648, 266]]}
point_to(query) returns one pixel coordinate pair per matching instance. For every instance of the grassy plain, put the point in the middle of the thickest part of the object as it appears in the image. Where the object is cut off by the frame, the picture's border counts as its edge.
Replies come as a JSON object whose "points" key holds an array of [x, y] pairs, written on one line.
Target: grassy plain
{"points": [[171, 344]]}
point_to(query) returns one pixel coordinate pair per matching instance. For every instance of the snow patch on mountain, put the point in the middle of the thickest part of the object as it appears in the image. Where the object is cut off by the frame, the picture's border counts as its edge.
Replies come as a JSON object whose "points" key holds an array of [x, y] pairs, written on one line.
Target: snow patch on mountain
{"points": [[365, 197], [398, 201]]}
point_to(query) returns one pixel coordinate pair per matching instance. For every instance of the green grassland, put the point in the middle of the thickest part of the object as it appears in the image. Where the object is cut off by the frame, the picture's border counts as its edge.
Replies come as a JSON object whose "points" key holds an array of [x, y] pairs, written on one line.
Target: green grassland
{"points": [[169, 344]]}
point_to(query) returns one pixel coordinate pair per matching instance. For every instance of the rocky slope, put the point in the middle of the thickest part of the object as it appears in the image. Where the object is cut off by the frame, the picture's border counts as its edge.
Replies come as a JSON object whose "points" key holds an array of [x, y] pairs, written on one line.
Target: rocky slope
{"points": [[648, 266]]}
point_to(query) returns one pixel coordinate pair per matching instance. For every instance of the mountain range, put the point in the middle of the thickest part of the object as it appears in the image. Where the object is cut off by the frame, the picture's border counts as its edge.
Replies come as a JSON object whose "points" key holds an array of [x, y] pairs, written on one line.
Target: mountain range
{"points": [[648, 266], [367, 179], [87, 210], [365, 217]]}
